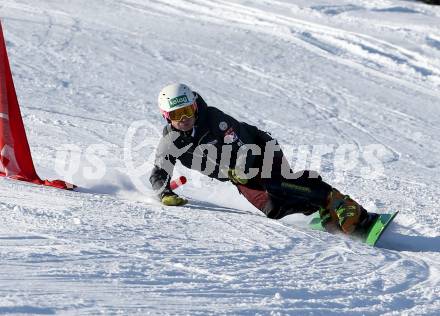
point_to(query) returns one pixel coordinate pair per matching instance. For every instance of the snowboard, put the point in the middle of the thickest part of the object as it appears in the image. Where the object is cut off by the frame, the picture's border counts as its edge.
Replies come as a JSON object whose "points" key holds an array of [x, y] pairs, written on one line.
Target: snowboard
{"points": [[374, 232]]}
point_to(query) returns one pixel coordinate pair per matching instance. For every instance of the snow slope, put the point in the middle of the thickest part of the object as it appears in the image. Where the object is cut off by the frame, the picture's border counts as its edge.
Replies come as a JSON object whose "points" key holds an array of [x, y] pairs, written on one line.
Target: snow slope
{"points": [[333, 80]]}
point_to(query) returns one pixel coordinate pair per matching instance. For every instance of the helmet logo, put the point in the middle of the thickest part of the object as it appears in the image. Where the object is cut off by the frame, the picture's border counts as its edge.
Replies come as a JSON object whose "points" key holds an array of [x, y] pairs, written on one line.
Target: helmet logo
{"points": [[182, 99]]}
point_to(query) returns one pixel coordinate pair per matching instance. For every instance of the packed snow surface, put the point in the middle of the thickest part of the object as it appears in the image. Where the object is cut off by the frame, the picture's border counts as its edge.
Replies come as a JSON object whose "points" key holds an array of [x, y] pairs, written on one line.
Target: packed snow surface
{"points": [[350, 88]]}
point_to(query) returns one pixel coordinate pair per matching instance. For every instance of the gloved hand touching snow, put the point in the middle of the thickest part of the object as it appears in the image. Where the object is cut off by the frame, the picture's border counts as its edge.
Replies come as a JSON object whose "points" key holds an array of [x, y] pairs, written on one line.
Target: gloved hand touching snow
{"points": [[172, 199]]}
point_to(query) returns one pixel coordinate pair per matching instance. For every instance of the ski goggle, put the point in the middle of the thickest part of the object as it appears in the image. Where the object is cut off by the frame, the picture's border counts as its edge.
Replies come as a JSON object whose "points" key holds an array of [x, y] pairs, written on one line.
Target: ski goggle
{"points": [[179, 114]]}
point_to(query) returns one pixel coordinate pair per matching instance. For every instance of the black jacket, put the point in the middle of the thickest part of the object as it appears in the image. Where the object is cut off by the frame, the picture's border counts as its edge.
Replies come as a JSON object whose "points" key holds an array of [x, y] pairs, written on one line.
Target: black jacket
{"points": [[218, 142]]}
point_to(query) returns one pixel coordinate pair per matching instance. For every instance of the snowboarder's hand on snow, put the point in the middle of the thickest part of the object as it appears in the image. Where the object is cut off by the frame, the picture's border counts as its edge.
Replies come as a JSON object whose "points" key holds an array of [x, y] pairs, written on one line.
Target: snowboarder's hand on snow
{"points": [[173, 200], [235, 178]]}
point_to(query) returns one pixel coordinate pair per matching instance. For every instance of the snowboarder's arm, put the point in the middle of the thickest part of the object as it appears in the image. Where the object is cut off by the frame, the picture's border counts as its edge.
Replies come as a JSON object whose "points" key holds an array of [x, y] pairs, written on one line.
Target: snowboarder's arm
{"points": [[242, 137], [166, 156], [160, 181], [163, 166]]}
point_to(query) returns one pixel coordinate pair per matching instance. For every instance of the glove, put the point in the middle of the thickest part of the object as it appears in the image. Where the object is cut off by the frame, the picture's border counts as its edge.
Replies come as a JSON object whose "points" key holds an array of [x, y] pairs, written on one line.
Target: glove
{"points": [[173, 200], [235, 178]]}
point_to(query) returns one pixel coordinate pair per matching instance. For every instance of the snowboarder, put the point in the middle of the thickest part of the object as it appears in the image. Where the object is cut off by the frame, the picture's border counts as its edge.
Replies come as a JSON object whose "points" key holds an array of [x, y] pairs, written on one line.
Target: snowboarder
{"points": [[204, 138]]}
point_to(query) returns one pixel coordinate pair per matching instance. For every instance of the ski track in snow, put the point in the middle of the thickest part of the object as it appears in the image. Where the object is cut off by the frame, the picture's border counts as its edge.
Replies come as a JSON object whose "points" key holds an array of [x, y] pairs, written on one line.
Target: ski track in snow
{"points": [[84, 72]]}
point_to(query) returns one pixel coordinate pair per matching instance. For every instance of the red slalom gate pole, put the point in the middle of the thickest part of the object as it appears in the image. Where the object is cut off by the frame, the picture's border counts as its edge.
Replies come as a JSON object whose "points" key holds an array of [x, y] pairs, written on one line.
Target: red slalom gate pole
{"points": [[174, 184]]}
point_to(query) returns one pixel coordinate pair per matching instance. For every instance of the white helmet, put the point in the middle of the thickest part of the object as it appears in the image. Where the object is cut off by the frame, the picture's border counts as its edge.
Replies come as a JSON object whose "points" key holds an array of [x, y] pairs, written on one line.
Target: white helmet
{"points": [[175, 96]]}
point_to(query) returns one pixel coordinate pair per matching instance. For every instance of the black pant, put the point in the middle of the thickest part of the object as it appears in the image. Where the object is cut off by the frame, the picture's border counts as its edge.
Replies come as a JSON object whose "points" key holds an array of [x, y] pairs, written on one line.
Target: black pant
{"points": [[278, 197]]}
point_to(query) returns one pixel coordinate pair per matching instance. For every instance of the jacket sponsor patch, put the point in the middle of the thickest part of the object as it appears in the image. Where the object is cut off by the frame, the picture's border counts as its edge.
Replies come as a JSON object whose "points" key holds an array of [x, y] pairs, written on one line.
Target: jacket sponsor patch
{"points": [[223, 126]]}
